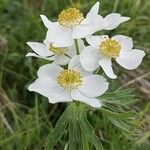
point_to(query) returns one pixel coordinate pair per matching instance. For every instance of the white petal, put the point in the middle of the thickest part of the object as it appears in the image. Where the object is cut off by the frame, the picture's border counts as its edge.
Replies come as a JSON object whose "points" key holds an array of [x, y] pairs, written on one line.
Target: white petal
{"points": [[38, 56], [52, 58], [113, 20], [124, 19], [49, 70], [75, 64], [60, 97], [131, 59], [32, 54], [95, 8], [125, 42], [60, 36], [39, 48], [81, 45], [89, 27], [47, 22], [95, 41], [61, 60], [76, 95], [83, 30], [72, 50], [41, 86], [106, 63], [47, 45], [49, 88], [93, 86], [89, 58]]}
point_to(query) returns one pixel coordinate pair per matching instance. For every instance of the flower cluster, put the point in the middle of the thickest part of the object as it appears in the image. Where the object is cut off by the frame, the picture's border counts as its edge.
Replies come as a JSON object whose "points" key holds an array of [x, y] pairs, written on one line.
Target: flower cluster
{"points": [[71, 75]]}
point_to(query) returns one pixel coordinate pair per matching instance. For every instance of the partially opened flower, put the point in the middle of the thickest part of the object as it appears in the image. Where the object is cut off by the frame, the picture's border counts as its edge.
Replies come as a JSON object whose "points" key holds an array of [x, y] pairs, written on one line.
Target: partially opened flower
{"points": [[60, 55], [66, 85], [72, 25], [103, 50]]}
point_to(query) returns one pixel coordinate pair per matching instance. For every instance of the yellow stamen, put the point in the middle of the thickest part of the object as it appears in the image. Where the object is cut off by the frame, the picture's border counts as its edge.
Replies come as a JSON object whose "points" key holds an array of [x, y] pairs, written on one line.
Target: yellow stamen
{"points": [[57, 50], [69, 79], [70, 17], [110, 48]]}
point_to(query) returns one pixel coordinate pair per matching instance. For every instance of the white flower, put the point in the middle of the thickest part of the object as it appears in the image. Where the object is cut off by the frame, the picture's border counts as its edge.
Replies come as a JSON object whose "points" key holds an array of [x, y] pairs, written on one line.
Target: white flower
{"points": [[72, 25], [103, 49], [66, 85], [60, 55]]}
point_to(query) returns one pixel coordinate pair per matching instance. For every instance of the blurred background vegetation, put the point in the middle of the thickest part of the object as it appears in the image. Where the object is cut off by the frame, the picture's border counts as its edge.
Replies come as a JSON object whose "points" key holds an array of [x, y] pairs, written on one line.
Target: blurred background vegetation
{"points": [[27, 118]]}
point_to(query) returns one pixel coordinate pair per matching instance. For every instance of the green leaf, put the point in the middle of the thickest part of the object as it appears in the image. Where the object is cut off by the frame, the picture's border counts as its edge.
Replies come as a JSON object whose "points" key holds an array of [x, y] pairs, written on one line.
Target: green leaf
{"points": [[56, 134], [122, 120], [143, 138], [119, 97], [88, 130], [119, 115], [75, 141]]}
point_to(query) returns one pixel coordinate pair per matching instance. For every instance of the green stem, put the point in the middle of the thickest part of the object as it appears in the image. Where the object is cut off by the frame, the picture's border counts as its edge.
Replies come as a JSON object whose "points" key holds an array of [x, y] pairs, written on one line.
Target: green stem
{"points": [[85, 143], [37, 113], [77, 46]]}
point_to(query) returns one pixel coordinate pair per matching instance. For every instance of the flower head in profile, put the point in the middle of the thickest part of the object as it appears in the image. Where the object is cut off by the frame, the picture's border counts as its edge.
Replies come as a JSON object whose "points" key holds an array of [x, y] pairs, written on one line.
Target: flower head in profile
{"points": [[67, 85], [59, 55], [103, 50]]}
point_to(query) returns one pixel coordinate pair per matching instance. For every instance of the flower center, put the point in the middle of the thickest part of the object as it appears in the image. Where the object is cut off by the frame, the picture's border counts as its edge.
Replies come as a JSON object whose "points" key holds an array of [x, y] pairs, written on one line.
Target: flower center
{"points": [[70, 17], [110, 48], [57, 50], [69, 79]]}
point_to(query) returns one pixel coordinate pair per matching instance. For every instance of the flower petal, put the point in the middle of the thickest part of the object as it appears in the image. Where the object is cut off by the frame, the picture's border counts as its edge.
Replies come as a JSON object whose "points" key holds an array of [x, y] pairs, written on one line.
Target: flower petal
{"points": [[125, 42], [95, 8], [38, 56], [76, 95], [106, 63], [39, 48], [89, 58], [76, 65], [61, 60], [49, 88], [60, 36], [47, 45], [131, 59], [72, 50], [82, 30], [95, 41], [41, 86], [63, 96], [49, 70], [47, 22], [113, 20], [33, 55], [93, 86], [89, 26]]}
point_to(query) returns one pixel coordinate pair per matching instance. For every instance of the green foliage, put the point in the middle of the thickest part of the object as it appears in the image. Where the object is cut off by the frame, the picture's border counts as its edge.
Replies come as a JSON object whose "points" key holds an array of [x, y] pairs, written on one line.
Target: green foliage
{"points": [[75, 118], [26, 119]]}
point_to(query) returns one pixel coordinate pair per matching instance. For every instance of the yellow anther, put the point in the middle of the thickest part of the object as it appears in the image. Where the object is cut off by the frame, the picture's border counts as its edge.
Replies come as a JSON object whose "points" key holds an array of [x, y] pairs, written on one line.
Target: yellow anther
{"points": [[57, 50], [110, 48], [70, 17], [69, 78]]}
